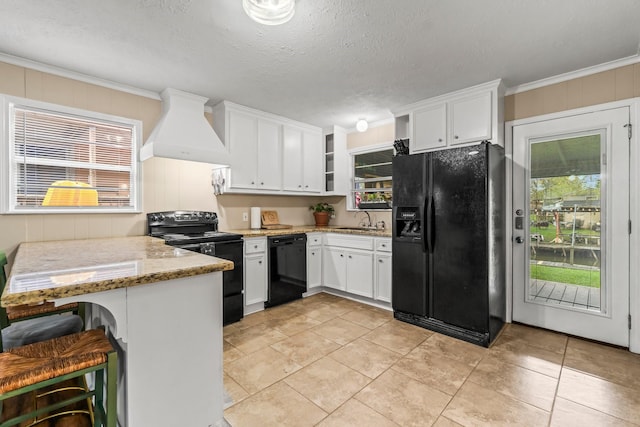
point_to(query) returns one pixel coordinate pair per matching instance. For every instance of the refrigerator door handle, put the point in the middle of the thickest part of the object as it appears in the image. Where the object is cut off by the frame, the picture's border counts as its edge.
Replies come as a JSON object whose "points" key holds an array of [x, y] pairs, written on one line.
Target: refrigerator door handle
{"points": [[428, 224], [425, 221]]}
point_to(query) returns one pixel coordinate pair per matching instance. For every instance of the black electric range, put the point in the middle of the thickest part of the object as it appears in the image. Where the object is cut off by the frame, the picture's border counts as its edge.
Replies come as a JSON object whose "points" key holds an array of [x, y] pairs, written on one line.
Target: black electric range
{"points": [[198, 231]]}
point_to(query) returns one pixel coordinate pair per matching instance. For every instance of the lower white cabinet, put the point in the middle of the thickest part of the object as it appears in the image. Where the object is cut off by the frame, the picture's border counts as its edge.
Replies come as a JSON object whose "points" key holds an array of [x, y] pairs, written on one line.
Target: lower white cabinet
{"points": [[383, 277], [360, 273], [347, 264], [314, 260], [255, 271]]}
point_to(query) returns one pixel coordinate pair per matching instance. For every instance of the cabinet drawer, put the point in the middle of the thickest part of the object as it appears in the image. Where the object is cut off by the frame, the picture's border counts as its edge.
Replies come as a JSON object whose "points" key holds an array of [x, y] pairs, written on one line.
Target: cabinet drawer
{"points": [[252, 246], [314, 239], [383, 245], [349, 241]]}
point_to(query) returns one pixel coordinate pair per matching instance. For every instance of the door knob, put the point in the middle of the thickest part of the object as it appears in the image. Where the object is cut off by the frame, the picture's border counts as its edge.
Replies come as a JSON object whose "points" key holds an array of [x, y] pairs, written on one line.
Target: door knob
{"points": [[519, 239]]}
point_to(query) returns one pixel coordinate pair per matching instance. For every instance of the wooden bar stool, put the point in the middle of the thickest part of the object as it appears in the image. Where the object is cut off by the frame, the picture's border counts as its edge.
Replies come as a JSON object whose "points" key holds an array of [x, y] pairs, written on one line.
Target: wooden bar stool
{"points": [[18, 333], [35, 366]]}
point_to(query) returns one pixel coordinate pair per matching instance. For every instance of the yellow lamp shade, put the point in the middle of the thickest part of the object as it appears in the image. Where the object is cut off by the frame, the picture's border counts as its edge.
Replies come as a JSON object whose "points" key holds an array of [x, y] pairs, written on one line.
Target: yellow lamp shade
{"points": [[70, 193]]}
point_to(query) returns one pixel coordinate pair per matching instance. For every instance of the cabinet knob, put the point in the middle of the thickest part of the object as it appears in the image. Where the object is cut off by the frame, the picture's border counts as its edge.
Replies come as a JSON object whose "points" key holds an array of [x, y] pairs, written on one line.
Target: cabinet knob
{"points": [[313, 253], [259, 262], [455, 137], [255, 246], [341, 255], [306, 186], [261, 183], [253, 182], [300, 186], [380, 261], [384, 245], [440, 139], [349, 256]]}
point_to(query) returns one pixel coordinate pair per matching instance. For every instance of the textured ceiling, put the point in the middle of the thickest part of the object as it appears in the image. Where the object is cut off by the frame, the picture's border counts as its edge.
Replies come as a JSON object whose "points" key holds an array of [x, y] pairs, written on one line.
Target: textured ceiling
{"points": [[335, 61]]}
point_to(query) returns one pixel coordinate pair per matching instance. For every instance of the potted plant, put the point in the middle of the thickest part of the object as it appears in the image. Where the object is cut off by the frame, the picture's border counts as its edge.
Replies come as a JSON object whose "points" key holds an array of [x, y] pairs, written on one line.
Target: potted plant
{"points": [[321, 212]]}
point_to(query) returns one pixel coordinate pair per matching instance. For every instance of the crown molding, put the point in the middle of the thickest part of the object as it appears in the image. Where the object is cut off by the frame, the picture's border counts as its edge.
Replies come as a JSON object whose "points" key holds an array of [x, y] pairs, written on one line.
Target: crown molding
{"points": [[629, 60], [74, 75]]}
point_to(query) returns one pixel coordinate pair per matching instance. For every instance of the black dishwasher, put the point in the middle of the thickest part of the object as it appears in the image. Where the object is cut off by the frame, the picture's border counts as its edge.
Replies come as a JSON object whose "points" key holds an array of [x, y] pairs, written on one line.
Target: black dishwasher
{"points": [[287, 268]]}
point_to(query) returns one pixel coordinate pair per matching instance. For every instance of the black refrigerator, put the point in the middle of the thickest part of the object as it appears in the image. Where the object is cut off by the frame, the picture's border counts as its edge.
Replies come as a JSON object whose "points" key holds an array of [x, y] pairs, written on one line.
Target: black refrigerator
{"points": [[448, 241]]}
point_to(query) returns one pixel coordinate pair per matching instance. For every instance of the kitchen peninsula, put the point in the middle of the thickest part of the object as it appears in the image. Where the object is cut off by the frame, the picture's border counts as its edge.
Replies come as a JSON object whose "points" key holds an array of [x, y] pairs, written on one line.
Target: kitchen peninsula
{"points": [[162, 306]]}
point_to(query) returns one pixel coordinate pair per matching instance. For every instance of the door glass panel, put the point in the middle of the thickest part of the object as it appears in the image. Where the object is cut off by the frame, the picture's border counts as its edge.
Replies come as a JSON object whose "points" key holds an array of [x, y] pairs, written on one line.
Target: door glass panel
{"points": [[565, 222]]}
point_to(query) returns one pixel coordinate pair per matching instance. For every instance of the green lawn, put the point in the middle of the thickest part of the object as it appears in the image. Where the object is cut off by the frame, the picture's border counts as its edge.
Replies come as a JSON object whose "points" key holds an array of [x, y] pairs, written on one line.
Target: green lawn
{"points": [[589, 278]]}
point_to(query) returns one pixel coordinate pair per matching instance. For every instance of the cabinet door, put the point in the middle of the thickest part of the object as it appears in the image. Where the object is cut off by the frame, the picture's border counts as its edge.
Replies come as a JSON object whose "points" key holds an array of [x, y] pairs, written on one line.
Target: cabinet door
{"points": [[269, 156], [383, 278], [360, 273], [312, 162], [292, 159], [314, 267], [334, 268], [255, 279], [470, 119], [429, 128], [243, 137]]}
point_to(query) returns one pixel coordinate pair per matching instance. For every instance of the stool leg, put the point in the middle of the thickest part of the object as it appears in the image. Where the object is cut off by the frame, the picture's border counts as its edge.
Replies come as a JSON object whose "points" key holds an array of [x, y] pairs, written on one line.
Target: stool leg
{"points": [[99, 411], [112, 389]]}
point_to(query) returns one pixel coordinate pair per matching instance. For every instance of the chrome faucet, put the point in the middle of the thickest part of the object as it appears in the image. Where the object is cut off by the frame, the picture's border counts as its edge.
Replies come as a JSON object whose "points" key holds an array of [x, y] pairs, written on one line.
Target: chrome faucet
{"points": [[367, 224]]}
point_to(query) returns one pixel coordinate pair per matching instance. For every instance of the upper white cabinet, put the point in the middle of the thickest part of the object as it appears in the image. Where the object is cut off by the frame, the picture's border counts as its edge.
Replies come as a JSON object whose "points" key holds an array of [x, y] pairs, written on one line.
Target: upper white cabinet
{"points": [[302, 160], [336, 161], [463, 117], [269, 154], [430, 128], [255, 152]]}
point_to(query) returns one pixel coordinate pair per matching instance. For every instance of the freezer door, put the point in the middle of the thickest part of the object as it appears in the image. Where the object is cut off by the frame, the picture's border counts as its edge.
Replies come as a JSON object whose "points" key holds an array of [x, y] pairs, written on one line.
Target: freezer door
{"points": [[459, 250], [409, 180], [409, 273]]}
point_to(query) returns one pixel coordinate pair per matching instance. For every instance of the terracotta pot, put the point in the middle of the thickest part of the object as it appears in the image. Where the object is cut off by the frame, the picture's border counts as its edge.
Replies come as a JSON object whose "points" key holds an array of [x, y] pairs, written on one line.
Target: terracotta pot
{"points": [[322, 218]]}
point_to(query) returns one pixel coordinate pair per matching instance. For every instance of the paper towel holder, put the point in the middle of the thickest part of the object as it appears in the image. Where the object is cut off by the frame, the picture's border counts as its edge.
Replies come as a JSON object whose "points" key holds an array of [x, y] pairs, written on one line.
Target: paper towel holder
{"points": [[256, 221]]}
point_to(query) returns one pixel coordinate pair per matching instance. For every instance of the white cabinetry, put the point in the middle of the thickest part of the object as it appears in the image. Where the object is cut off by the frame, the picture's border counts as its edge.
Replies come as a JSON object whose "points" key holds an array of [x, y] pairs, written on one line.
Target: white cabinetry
{"points": [[302, 167], [265, 149], [382, 291], [464, 117], [255, 274], [314, 260], [348, 263], [255, 152], [336, 162]]}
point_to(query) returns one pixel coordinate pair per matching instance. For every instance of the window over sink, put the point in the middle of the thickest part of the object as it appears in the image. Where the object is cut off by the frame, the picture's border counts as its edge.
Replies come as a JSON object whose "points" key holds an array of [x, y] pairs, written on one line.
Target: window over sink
{"points": [[371, 180], [60, 159]]}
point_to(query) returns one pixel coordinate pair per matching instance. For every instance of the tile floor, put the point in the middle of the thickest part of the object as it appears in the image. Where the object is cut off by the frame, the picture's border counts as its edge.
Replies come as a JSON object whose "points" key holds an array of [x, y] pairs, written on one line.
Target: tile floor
{"points": [[328, 361]]}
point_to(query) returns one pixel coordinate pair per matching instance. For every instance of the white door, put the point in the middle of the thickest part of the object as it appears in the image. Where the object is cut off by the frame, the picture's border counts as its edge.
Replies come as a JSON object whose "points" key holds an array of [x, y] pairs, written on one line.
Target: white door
{"points": [[571, 225]]}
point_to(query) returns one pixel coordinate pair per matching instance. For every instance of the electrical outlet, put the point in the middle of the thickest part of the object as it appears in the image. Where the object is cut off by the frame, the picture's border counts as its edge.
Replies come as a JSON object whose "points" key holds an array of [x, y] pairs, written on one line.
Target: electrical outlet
{"points": [[245, 216]]}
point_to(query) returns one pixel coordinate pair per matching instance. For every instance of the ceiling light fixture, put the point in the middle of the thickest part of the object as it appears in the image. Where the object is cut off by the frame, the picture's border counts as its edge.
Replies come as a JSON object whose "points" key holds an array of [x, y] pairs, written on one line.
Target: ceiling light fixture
{"points": [[269, 12], [362, 125]]}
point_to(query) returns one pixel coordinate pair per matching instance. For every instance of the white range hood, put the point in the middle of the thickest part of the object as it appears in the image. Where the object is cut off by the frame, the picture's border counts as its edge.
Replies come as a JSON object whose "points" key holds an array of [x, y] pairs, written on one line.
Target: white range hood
{"points": [[183, 132]]}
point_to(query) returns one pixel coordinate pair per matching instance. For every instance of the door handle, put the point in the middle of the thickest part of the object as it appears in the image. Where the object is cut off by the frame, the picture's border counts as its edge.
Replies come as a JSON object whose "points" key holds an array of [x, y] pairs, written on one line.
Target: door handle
{"points": [[519, 239]]}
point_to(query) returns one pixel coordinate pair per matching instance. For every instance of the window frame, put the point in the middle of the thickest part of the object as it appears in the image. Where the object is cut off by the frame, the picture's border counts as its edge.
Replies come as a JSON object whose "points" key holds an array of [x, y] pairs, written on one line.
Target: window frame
{"points": [[8, 204], [351, 204]]}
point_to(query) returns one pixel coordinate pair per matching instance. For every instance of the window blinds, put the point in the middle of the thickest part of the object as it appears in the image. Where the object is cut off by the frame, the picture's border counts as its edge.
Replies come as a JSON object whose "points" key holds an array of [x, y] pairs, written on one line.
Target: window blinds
{"points": [[65, 161]]}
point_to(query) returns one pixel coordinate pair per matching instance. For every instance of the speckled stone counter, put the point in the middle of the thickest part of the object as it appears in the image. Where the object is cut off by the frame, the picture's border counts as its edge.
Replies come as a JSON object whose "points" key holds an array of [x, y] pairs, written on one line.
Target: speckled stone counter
{"points": [[312, 229], [49, 270], [161, 307]]}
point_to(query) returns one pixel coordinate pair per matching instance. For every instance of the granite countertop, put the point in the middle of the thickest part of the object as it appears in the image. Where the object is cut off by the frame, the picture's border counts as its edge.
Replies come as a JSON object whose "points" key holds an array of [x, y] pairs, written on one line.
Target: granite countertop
{"points": [[312, 229], [48, 270]]}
